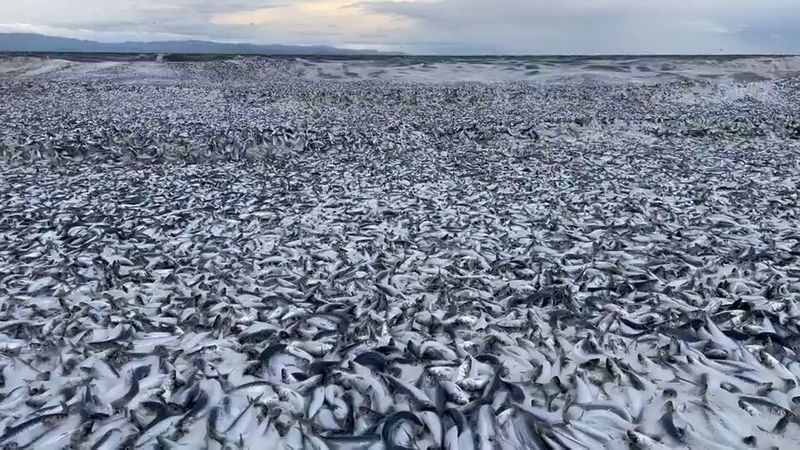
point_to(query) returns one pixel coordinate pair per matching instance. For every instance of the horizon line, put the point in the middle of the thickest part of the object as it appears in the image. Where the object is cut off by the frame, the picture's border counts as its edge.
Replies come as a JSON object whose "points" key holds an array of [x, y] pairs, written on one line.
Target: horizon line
{"points": [[395, 54], [353, 51]]}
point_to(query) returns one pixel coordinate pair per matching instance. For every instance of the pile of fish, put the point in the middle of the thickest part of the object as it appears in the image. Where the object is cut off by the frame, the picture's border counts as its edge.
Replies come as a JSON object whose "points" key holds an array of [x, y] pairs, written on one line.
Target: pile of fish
{"points": [[230, 257]]}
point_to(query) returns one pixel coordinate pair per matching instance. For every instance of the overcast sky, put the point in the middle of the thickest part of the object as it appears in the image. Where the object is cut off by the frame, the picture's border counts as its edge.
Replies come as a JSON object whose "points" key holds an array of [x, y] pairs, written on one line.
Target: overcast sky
{"points": [[431, 26]]}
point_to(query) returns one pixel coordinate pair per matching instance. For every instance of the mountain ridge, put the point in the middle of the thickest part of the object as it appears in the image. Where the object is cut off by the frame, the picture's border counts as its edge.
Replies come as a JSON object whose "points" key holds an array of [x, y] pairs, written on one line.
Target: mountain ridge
{"points": [[40, 43]]}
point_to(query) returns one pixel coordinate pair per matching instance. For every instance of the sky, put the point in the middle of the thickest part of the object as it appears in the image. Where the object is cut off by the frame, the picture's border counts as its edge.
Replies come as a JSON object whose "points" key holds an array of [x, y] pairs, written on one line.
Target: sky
{"points": [[431, 26]]}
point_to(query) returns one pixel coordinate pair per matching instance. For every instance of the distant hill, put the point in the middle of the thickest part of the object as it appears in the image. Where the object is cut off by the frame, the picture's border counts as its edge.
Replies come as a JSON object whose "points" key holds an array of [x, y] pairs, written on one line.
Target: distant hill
{"points": [[29, 42]]}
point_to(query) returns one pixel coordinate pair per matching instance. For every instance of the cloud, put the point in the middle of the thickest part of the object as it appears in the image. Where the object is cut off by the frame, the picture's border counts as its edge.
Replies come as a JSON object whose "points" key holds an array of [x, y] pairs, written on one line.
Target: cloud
{"points": [[433, 26], [111, 19], [316, 17], [588, 26]]}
